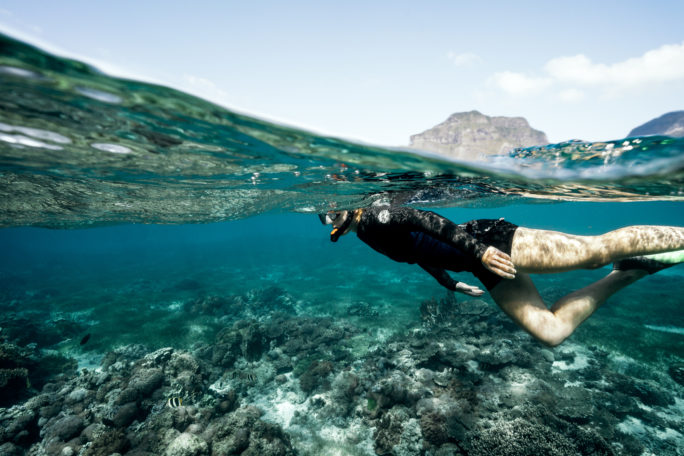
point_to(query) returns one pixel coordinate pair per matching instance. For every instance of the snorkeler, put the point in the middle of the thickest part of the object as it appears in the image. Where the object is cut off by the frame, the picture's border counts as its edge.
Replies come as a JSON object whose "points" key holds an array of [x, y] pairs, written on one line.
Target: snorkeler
{"points": [[501, 255]]}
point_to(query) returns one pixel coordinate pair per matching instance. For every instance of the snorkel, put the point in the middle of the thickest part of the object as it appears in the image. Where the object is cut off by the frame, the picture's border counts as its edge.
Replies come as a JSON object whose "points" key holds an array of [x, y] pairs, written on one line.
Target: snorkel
{"points": [[330, 217]]}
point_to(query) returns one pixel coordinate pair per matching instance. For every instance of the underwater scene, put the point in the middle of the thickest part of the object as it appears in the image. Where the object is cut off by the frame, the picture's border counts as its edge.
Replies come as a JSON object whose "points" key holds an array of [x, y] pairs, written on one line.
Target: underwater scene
{"points": [[166, 287]]}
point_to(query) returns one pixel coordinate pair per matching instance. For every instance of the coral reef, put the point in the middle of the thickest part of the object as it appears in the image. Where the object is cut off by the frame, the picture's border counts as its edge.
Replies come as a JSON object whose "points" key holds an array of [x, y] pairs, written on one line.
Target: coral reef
{"points": [[253, 304], [39, 328], [24, 369], [122, 408], [285, 384], [434, 311]]}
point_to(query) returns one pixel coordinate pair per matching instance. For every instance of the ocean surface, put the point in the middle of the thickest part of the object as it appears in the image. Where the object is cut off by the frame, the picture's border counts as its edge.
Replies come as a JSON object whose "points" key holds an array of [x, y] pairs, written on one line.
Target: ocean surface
{"points": [[152, 238]]}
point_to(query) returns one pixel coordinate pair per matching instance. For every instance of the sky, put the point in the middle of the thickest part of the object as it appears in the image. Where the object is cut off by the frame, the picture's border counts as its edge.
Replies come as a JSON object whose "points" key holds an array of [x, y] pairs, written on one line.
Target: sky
{"points": [[380, 71]]}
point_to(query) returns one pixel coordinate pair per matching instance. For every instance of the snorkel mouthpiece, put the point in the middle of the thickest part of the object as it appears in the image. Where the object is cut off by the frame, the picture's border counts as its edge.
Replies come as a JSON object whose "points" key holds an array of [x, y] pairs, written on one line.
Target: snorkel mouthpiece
{"points": [[335, 235]]}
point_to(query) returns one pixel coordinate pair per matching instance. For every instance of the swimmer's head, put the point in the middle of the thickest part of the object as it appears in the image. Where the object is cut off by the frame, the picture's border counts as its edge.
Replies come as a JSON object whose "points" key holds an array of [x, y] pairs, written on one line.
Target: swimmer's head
{"points": [[340, 220]]}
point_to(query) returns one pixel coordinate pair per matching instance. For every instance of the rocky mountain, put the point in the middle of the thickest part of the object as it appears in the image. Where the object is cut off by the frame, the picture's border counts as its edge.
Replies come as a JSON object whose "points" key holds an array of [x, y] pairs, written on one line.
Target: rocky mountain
{"points": [[670, 124], [473, 135]]}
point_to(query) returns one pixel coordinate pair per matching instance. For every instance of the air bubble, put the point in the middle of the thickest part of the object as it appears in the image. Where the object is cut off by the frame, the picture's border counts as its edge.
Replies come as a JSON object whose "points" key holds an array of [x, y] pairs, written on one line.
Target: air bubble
{"points": [[113, 148]]}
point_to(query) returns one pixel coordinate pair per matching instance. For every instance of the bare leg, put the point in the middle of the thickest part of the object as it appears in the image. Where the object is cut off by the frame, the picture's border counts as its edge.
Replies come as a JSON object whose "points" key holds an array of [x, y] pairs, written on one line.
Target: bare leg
{"points": [[520, 299], [541, 251]]}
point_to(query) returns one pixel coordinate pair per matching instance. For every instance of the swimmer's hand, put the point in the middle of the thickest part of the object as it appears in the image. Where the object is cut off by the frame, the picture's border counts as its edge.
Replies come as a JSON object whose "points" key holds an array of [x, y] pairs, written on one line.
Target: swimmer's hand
{"points": [[470, 290], [498, 262]]}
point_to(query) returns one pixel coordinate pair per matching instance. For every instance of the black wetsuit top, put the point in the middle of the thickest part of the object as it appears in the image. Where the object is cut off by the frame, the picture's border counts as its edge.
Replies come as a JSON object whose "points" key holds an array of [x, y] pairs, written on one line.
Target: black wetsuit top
{"points": [[435, 243]]}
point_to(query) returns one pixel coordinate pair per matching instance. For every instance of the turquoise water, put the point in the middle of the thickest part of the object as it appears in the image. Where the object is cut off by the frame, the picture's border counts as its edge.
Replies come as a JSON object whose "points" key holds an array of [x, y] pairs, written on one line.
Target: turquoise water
{"points": [[139, 215]]}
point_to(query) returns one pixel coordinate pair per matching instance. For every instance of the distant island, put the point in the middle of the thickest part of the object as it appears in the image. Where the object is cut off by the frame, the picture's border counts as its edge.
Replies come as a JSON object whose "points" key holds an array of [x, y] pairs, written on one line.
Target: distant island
{"points": [[473, 136], [670, 124]]}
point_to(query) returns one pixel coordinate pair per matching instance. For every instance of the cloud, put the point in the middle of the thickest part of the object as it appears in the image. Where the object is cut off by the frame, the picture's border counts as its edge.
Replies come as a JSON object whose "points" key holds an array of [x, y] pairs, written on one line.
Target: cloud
{"points": [[571, 74], [571, 95], [463, 59], [660, 65], [519, 83]]}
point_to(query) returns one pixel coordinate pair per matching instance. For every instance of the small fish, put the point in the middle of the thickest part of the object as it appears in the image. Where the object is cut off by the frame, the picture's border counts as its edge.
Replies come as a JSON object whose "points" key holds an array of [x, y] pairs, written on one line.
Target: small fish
{"points": [[244, 375], [174, 402], [85, 339]]}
